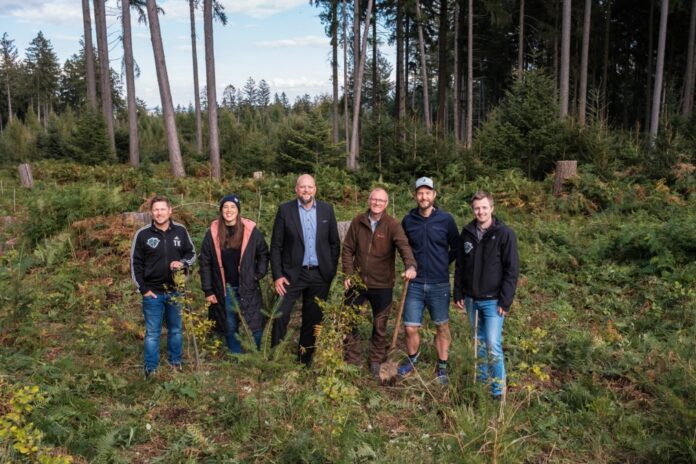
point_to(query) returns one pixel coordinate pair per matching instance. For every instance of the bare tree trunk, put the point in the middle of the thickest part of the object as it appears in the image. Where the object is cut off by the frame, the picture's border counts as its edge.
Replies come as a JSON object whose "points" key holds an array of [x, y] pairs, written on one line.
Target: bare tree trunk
{"points": [[355, 142], [649, 68], [564, 170], [104, 70], [334, 71], [582, 101], [345, 79], [375, 89], [443, 70], [89, 56], [470, 77], [213, 139], [659, 70], [605, 65], [9, 98], [456, 100], [25, 176], [400, 96], [688, 102], [196, 87], [565, 58], [177, 163], [424, 71], [133, 151], [520, 42]]}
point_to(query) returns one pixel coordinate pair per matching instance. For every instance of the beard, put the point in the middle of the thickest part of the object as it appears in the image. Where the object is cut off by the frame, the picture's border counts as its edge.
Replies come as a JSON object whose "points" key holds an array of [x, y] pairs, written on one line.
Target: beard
{"points": [[305, 199]]}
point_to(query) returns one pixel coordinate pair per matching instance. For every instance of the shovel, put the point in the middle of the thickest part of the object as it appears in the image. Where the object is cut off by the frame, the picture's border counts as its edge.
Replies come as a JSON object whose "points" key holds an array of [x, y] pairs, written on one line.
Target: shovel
{"points": [[387, 371]]}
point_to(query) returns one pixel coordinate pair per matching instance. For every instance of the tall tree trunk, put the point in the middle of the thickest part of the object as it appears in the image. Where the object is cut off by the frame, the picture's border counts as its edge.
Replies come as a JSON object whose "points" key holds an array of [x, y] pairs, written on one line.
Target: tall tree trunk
{"points": [[334, 71], [196, 87], [649, 68], [688, 102], [104, 70], [424, 71], [177, 163], [443, 69], [358, 76], [520, 42], [400, 92], [89, 56], [605, 65], [133, 151], [345, 78], [470, 77], [375, 89], [356, 39], [659, 70], [213, 139], [565, 58], [582, 100], [456, 100]]}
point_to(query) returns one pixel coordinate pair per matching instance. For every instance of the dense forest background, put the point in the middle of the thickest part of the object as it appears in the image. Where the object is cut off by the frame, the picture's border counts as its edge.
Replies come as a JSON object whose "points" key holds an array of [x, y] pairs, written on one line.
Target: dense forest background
{"points": [[486, 94]]}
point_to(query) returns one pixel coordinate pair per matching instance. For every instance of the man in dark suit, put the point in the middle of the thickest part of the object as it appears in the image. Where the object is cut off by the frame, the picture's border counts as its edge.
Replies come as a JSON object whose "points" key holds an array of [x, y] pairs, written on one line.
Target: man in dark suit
{"points": [[304, 254]]}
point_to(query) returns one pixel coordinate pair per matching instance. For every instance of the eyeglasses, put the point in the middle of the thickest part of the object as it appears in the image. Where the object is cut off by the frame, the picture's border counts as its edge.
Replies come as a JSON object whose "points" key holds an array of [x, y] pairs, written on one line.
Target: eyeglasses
{"points": [[377, 200]]}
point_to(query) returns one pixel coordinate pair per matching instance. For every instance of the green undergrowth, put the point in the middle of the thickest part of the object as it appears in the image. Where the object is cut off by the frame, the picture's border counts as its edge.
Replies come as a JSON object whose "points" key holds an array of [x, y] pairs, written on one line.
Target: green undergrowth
{"points": [[599, 344]]}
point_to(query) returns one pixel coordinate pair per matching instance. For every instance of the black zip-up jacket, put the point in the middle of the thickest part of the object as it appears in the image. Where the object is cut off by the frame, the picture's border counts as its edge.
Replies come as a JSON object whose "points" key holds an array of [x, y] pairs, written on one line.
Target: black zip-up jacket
{"points": [[487, 269], [152, 252]]}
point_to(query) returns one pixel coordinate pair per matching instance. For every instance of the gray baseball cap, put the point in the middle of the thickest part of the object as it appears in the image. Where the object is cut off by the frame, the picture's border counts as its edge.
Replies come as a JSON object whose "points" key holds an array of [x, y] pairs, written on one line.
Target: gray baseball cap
{"points": [[425, 182]]}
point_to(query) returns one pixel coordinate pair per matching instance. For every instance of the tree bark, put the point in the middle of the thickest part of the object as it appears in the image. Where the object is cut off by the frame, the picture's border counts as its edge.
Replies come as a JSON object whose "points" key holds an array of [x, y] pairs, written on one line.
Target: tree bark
{"points": [[334, 71], [688, 102], [345, 79], [375, 78], [25, 176], [133, 151], [196, 86], [564, 170], [520, 42], [565, 58], [649, 67], [355, 142], [89, 56], [470, 77], [582, 100], [443, 69], [177, 163], [424, 71], [456, 100], [605, 65], [659, 70], [400, 95], [104, 70], [213, 139]]}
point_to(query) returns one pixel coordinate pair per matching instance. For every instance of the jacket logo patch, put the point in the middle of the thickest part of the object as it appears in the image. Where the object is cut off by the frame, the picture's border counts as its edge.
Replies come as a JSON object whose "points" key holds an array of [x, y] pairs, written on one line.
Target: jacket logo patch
{"points": [[468, 246], [152, 242], [177, 241]]}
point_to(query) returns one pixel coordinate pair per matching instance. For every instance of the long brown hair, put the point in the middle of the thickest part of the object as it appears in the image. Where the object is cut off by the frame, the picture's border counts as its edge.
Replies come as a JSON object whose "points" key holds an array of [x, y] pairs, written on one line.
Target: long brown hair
{"points": [[230, 241]]}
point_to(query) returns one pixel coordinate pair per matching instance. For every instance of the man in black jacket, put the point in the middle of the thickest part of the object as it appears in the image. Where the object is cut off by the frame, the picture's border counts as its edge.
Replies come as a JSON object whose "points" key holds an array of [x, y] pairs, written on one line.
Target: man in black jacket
{"points": [[159, 250], [304, 254], [485, 280]]}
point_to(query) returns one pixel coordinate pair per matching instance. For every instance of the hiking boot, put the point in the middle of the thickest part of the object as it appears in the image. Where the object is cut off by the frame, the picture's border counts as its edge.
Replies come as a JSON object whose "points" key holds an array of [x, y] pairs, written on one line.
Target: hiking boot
{"points": [[442, 376], [374, 370], [149, 373], [406, 368], [176, 367]]}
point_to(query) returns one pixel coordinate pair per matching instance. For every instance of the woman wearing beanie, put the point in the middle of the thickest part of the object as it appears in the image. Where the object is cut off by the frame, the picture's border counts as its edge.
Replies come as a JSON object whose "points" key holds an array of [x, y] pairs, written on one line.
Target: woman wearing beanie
{"points": [[234, 257]]}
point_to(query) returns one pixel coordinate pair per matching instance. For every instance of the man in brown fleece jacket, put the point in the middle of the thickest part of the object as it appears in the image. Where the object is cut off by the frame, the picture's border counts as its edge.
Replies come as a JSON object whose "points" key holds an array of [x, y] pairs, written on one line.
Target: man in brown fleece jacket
{"points": [[369, 251]]}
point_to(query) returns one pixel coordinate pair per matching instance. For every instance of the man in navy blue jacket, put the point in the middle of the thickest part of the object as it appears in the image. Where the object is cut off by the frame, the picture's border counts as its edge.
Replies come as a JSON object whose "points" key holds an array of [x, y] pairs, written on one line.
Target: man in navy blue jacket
{"points": [[485, 280], [433, 235]]}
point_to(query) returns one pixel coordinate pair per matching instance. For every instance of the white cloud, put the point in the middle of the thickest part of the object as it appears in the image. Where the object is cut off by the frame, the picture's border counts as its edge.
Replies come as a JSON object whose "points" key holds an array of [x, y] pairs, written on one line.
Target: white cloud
{"points": [[284, 83], [178, 9], [60, 12], [307, 41]]}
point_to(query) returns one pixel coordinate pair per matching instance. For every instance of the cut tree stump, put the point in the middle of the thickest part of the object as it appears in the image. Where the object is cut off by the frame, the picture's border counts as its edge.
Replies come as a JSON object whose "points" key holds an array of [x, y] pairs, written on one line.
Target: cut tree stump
{"points": [[564, 170], [343, 229], [136, 219], [25, 176], [258, 175]]}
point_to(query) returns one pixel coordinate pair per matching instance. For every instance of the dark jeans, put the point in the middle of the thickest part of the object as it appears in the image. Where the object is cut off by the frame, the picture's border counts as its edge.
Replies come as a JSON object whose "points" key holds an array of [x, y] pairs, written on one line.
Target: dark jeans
{"points": [[381, 302], [233, 314], [309, 285]]}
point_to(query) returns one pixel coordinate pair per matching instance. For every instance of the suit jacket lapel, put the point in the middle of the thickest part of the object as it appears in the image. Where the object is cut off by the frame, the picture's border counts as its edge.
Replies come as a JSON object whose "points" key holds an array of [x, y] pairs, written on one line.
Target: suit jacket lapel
{"points": [[295, 215]]}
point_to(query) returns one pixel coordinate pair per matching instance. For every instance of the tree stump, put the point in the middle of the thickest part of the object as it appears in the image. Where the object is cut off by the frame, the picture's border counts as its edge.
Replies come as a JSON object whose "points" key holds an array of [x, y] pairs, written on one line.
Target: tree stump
{"points": [[258, 175], [343, 229], [564, 170], [136, 219], [25, 176]]}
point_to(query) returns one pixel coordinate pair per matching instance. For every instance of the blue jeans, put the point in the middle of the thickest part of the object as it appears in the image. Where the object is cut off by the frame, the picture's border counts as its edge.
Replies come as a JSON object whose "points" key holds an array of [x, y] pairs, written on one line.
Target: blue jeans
{"points": [[155, 311], [435, 296], [233, 312], [490, 342]]}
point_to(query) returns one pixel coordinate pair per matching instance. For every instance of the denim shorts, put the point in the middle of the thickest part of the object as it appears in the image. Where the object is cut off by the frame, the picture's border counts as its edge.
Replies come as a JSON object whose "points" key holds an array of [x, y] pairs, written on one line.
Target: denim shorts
{"points": [[435, 296]]}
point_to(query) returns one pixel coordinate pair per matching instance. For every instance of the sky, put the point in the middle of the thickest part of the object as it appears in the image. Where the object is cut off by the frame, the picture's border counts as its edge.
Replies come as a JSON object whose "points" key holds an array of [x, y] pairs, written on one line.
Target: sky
{"points": [[281, 41]]}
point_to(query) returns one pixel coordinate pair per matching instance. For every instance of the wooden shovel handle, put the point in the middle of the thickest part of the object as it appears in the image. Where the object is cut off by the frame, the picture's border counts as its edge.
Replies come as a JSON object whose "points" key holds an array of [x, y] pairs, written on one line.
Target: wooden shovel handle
{"points": [[399, 313]]}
